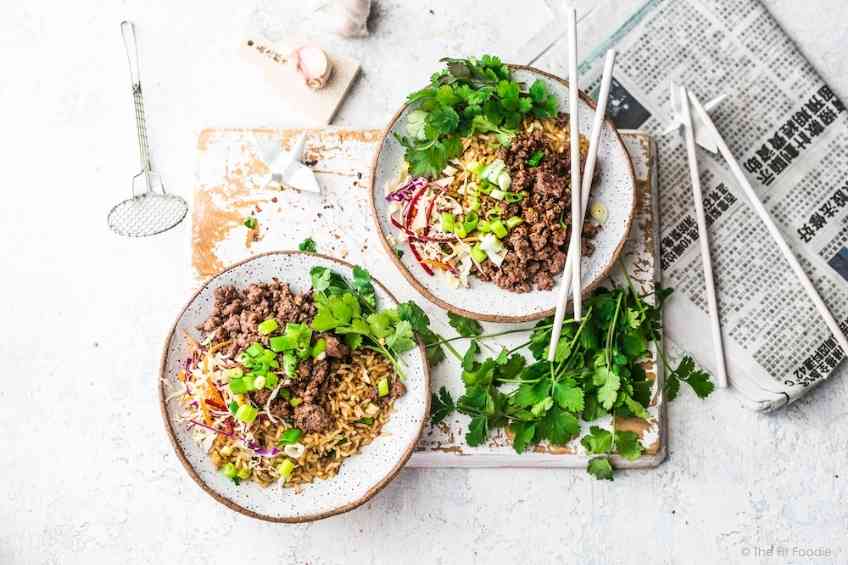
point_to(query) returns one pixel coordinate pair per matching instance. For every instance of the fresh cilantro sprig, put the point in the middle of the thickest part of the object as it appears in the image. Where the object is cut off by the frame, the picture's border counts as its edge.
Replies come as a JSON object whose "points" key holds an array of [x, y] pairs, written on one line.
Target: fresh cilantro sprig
{"points": [[308, 245], [350, 309], [441, 406], [468, 96], [597, 371]]}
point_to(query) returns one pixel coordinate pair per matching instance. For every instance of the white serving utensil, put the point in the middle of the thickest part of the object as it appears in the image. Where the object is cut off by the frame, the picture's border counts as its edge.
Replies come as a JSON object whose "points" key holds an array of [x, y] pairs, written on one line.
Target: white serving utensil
{"points": [[576, 196], [712, 138], [703, 235], [286, 168]]}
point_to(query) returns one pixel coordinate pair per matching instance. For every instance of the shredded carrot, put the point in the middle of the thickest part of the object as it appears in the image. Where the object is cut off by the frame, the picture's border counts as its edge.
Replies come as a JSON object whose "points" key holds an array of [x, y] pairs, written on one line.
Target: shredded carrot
{"points": [[206, 416], [181, 376], [213, 394]]}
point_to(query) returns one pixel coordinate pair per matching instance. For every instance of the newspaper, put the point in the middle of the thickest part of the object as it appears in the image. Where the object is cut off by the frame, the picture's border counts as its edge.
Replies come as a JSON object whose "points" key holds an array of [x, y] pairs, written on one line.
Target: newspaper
{"points": [[788, 130]]}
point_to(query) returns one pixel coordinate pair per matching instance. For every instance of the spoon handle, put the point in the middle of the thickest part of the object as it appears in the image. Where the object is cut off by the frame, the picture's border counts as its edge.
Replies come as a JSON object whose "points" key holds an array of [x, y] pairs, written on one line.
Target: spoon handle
{"points": [[131, 47]]}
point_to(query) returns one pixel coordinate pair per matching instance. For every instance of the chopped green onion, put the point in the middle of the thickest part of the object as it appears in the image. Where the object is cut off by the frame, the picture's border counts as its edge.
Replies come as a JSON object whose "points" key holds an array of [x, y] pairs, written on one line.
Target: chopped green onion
{"points": [[290, 364], [383, 387], [483, 226], [229, 470], [513, 197], [478, 254], [536, 158], [259, 382], [290, 436], [250, 223], [473, 204], [268, 326], [504, 181], [246, 413], [271, 381], [499, 229], [280, 343], [238, 386], [235, 373], [459, 230], [497, 194], [447, 222], [244, 473], [485, 187], [319, 347], [513, 222], [285, 469], [365, 421], [296, 401], [285, 393], [232, 407], [469, 223], [254, 350]]}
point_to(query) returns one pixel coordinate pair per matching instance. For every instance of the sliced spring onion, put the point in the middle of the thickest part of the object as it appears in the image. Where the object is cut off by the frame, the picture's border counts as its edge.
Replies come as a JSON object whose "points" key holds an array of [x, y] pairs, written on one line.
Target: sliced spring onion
{"points": [[319, 347], [246, 413], [295, 450], [497, 194], [536, 158], [459, 230], [513, 222], [259, 382], [364, 421], [290, 364], [477, 253], [296, 401], [244, 473], [238, 386], [281, 343], [383, 387], [513, 197], [469, 223], [254, 350], [494, 249], [498, 229], [234, 373], [232, 407], [268, 326], [271, 381], [291, 435], [504, 181], [229, 470], [447, 222], [473, 204], [483, 226], [599, 212], [285, 469]]}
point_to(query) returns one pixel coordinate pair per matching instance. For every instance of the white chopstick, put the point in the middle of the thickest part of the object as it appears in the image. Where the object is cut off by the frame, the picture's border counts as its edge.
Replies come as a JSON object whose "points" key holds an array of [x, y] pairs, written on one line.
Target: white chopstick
{"points": [[588, 173], [773, 230], [703, 238], [576, 189]]}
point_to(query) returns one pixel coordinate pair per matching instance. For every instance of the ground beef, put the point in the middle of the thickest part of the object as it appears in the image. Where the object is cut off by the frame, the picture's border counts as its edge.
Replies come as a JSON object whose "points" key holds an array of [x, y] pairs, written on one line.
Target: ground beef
{"points": [[335, 348], [237, 313], [537, 249], [311, 418]]}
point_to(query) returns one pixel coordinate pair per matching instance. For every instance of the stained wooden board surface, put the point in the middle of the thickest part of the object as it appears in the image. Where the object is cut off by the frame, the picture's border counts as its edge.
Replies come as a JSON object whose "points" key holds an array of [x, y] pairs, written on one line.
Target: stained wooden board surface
{"points": [[229, 187]]}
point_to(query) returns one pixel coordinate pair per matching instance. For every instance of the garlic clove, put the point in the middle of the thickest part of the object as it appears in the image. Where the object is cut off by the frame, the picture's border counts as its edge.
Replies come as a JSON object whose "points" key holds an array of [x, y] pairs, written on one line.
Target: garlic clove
{"points": [[314, 66]]}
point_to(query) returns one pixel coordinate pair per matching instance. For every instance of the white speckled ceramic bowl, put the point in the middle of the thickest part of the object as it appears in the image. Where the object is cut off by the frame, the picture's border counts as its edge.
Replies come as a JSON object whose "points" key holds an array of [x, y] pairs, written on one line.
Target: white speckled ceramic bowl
{"points": [[616, 190], [362, 475]]}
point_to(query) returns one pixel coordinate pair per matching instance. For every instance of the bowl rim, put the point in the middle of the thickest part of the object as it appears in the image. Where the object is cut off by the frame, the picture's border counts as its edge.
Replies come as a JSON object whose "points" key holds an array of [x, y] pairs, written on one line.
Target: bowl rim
{"points": [[499, 318], [169, 428]]}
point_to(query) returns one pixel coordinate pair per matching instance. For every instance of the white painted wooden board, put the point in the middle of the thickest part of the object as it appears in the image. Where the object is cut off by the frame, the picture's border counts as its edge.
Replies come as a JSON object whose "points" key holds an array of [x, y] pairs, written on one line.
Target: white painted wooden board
{"points": [[228, 188]]}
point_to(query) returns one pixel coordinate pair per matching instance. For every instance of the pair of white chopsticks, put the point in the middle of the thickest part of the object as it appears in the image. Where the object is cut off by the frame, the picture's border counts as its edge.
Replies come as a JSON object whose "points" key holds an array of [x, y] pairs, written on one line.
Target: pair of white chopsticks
{"points": [[579, 198]]}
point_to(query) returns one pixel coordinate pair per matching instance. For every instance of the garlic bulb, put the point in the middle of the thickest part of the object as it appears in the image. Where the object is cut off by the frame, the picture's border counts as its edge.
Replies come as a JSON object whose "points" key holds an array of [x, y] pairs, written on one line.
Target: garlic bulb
{"points": [[352, 17], [314, 66]]}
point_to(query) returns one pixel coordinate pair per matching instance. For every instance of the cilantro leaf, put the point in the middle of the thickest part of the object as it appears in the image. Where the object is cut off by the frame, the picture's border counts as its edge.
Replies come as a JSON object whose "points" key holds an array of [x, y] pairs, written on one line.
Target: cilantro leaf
{"points": [[364, 288], [598, 440], [441, 406], [609, 390], [628, 446], [478, 430], [569, 396], [401, 340], [559, 426], [700, 382], [470, 354], [443, 119], [308, 245], [465, 327], [600, 468], [523, 433]]}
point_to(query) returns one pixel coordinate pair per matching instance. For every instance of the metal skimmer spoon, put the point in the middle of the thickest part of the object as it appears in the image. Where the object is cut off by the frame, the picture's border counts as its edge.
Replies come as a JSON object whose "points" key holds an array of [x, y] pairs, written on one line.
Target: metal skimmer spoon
{"points": [[150, 210]]}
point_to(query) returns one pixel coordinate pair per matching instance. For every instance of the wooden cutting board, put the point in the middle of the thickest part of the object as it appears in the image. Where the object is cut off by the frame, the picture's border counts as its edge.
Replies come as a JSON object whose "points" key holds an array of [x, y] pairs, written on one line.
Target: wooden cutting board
{"points": [[228, 188]]}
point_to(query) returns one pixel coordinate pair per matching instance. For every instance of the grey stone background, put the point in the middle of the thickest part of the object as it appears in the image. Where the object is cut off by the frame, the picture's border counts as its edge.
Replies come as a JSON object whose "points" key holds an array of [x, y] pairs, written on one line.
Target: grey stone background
{"points": [[87, 473]]}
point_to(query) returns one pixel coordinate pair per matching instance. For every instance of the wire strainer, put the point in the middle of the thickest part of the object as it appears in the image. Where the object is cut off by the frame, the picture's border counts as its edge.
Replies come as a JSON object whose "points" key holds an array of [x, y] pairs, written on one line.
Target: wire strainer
{"points": [[150, 210]]}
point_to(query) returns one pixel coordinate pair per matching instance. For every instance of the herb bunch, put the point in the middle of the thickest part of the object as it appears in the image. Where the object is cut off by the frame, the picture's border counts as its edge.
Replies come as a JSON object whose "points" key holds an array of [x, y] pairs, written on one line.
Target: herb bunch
{"points": [[468, 96], [597, 371]]}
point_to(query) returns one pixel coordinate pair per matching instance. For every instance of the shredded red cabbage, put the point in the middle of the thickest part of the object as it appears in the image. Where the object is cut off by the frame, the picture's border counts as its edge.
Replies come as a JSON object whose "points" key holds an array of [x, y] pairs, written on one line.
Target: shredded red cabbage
{"points": [[405, 192], [263, 451]]}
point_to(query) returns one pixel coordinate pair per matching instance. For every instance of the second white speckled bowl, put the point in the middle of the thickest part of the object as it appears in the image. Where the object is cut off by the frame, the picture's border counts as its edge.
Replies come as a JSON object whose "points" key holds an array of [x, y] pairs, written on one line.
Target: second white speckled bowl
{"points": [[616, 190], [362, 475]]}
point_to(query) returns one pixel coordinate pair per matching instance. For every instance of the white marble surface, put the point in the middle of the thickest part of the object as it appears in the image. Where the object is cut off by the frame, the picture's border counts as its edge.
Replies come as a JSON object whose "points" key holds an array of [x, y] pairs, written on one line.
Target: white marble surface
{"points": [[88, 475]]}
